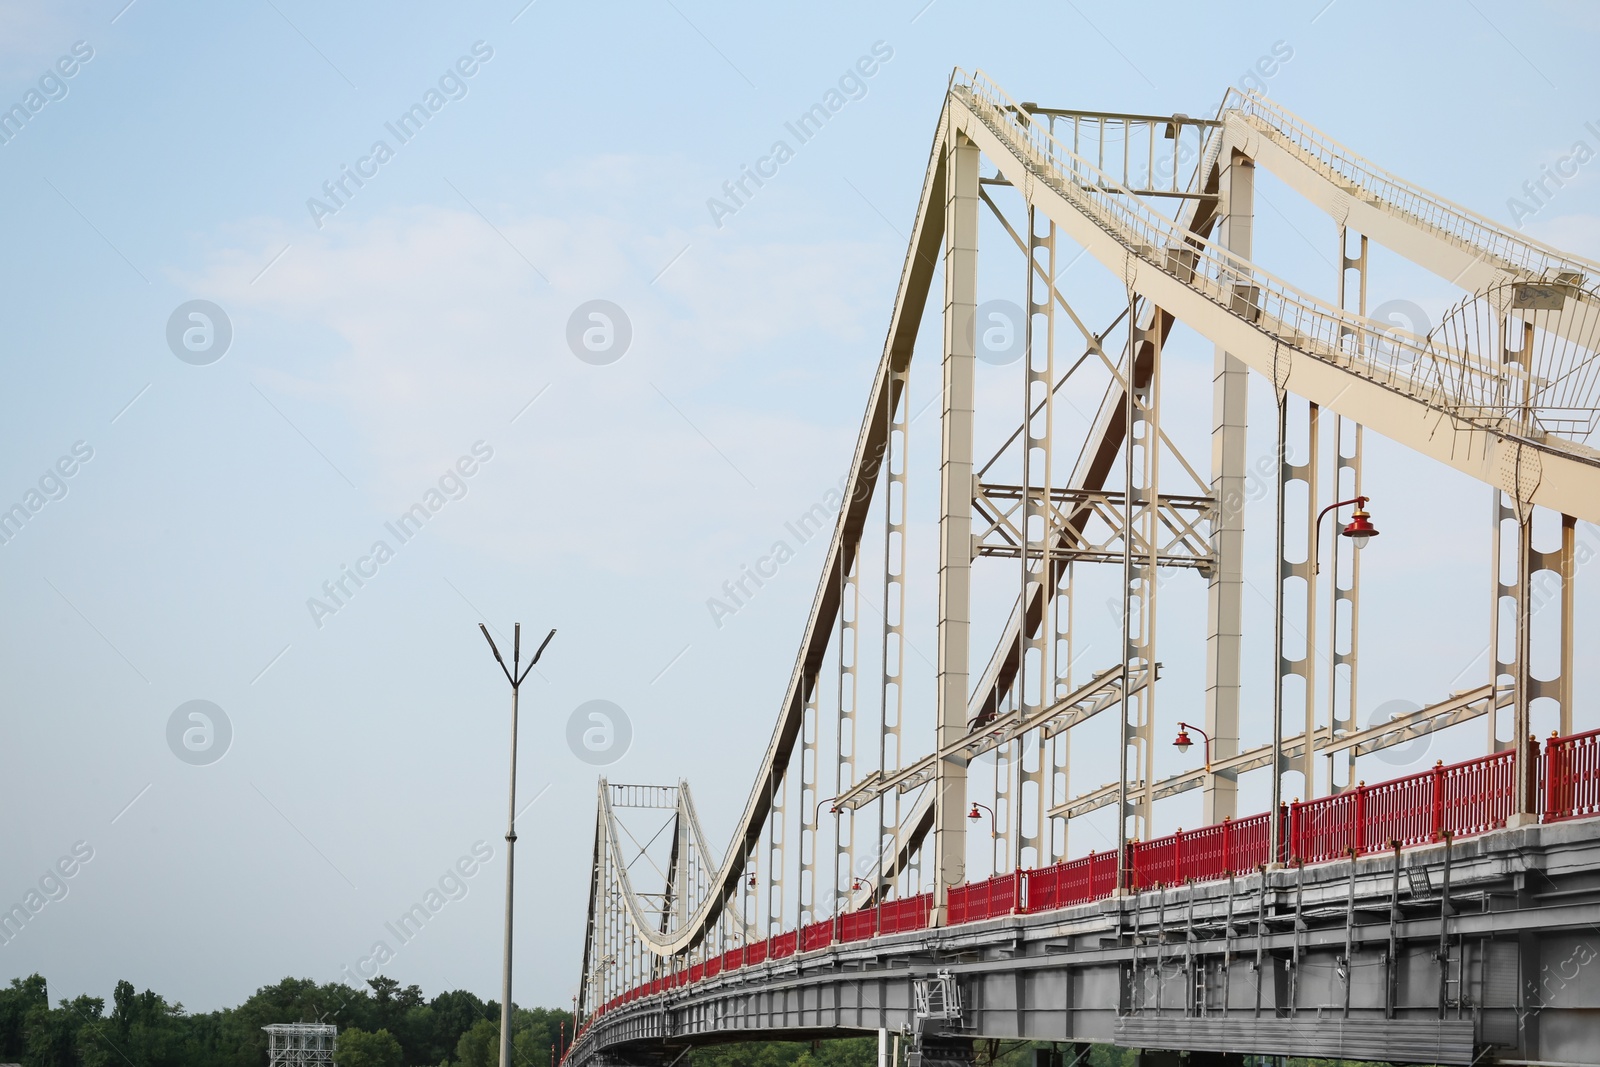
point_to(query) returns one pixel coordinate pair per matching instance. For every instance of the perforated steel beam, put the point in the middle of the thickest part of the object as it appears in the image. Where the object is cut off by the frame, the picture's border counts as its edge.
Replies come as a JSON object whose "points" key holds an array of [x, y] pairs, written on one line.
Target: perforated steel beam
{"points": [[893, 476], [955, 513], [1225, 588]]}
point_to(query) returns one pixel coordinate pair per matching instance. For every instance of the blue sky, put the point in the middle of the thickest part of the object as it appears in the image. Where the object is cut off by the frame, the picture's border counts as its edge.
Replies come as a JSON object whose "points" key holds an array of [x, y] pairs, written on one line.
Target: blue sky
{"points": [[380, 350]]}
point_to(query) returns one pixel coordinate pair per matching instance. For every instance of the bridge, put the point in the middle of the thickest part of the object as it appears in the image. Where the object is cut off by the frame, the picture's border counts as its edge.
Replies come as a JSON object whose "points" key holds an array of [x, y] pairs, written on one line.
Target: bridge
{"points": [[919, 883]]}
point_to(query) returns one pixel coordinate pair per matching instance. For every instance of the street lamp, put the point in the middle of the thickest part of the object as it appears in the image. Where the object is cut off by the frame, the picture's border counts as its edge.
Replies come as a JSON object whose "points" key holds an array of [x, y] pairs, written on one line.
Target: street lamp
{"points": [[1360, 529], [514, 675], [974, 816], [1182, 743]]}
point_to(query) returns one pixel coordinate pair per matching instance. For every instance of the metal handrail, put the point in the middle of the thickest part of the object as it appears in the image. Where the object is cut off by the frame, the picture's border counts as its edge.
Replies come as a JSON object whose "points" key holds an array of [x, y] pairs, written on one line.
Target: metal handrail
{"points": [[1459, 382], [1465, 226]]}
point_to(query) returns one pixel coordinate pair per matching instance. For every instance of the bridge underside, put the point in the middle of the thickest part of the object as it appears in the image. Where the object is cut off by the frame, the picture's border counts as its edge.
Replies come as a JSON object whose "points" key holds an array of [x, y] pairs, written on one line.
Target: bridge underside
{"points": [[1380, 958]]}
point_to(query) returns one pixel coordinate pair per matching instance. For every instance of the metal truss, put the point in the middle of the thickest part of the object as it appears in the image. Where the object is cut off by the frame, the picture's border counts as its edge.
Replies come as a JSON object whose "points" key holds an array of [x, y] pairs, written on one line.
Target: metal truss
{"points": [[1104, 692], [1458, 708], [1087, 526]]}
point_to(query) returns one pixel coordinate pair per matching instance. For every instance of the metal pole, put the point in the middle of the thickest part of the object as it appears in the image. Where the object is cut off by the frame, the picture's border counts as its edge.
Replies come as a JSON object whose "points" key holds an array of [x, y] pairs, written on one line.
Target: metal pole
{"points": [[515, 676], [511, 865]]}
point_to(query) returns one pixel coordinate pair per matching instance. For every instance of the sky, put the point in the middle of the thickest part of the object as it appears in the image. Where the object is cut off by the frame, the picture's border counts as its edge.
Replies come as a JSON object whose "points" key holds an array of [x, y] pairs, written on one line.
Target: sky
{"points": [[243, 343]]}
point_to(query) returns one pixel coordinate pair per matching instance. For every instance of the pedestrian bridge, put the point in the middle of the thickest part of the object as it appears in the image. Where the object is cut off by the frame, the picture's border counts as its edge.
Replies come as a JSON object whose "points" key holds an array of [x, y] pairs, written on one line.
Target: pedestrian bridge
{"points": [[1450, 916]]}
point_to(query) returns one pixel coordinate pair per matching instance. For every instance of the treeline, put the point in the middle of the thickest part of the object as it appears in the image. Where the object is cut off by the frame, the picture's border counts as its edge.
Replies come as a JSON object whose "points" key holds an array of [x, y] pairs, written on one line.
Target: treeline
{"points": [[383, 1025]]}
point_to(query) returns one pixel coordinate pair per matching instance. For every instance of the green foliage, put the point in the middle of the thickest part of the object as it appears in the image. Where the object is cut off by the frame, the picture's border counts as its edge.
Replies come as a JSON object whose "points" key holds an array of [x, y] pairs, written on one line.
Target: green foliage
{"points": [[383, 1025], [479, 1046], [358, 1048]]}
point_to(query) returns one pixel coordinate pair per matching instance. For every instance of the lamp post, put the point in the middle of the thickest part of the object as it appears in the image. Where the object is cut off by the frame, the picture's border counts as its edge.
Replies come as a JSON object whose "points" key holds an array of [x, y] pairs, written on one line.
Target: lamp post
{"points": [[515, 674], [1182, 743], [1360, 529], [993, 832]]}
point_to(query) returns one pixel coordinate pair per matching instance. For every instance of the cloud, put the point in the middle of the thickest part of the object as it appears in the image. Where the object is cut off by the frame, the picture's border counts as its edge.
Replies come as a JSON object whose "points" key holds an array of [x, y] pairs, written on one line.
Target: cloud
{"points": [[426, 328]]}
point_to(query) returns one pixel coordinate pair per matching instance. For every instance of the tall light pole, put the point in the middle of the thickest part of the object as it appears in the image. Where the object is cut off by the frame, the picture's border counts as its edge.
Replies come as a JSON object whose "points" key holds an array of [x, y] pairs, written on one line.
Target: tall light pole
{"points": [[515, 674]]}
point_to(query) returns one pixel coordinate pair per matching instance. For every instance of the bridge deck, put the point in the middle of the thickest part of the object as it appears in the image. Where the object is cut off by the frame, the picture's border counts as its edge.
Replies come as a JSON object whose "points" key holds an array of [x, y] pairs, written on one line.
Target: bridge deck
{"points": [[1257, 963]]}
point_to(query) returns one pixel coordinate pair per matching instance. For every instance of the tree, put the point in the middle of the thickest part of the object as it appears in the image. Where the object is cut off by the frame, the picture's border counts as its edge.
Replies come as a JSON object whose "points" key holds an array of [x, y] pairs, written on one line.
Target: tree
{"points": [[479, 1046], [358, 1048], [22, 997], [52, 1034]]}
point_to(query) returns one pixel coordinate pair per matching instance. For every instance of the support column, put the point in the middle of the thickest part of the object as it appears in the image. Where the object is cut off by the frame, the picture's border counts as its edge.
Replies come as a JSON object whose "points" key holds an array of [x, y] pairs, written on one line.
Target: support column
{"points": [[955, 514], [893, 476], [1286, 666], [1561, 563], [1034, 678], [777, 832], [1059, 752], [806, 890], [1303, 705], [1224, 597], [844, 835], [1142, 504], [1306, 666], [1526, 581], [1344, 570], [682, 872]]}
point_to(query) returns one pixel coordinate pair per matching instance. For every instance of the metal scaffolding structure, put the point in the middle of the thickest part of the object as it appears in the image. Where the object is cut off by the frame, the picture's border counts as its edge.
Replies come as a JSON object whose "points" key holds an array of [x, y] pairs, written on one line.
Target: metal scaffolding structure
{"points": [[301, 1044]]}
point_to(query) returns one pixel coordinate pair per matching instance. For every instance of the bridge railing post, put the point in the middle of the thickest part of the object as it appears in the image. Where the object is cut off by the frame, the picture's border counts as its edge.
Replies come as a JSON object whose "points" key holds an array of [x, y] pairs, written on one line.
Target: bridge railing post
{"points": [[1295, 847], [1360, 827], [1436, 826]]}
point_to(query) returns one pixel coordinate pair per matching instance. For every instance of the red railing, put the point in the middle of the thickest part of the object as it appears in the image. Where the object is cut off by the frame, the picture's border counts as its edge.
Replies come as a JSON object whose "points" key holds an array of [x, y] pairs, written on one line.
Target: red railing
{"points": [[1461, 800], [1572, 776], [1231, 846], [858, 925], [816, 935], [1477, 796], [899, 916], [1072, 882], [985, 900], [783, 945]]}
